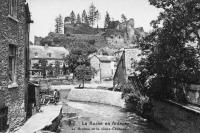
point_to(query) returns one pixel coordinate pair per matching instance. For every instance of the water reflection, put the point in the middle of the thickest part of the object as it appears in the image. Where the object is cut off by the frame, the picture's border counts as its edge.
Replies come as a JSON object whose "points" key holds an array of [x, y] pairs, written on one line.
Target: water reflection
{"points": [[97, 118]]}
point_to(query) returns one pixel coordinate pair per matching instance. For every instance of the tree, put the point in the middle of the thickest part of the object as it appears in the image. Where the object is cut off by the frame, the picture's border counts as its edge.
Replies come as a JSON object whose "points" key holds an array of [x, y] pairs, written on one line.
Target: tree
{"points": [[107, 20], [170, 61], [75, 58], [82, 73], [124, 18], [73, 17], [98, 17], [87, 21], [84, 16], [78, 19], [59, 24], [78, 56], [92, 15]]}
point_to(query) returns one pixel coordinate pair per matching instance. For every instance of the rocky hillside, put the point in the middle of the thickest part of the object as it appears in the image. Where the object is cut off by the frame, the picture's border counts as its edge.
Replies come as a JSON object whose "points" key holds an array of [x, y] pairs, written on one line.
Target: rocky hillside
{"points": [[70, 41], [80, 29], [116, 36]]}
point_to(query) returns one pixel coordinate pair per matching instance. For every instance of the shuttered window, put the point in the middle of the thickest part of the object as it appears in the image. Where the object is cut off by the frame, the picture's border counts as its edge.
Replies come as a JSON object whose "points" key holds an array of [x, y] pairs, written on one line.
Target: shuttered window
{"points": [[13, 8]]}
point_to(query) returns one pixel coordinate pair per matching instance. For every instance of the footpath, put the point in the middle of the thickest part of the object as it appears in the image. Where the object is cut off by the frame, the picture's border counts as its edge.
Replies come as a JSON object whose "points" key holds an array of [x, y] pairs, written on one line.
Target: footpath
{"points": [[42, 119]]}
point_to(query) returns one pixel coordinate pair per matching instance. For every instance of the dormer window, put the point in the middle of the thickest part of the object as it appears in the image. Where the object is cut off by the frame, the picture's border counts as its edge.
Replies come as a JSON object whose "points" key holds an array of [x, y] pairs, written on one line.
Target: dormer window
{"points": [[13, 8], [49, 55]]}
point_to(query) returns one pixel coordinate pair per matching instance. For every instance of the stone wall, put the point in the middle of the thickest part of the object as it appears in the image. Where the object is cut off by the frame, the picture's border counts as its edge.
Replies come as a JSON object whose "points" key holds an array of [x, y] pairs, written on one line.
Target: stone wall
{"points": [[176, 117], [96, 96], [120, 73], [13, 32]]}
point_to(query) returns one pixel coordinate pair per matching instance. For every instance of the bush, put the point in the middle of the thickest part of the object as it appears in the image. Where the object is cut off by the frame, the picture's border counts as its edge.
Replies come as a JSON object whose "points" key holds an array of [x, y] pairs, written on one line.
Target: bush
{"points": [[134, 100]]}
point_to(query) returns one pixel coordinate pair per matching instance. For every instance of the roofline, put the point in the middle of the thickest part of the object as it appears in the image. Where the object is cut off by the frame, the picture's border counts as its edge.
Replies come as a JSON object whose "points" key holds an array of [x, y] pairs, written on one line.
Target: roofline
{"points": [[48, 46], [129, 48], [123, 50], [46, 58], [105, 61], [100, 59]]}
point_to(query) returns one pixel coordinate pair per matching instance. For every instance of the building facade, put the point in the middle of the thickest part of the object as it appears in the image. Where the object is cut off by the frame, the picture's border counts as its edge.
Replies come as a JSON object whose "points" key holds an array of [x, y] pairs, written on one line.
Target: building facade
{"points": [[103, 67], [14, 46], [52, 55]]}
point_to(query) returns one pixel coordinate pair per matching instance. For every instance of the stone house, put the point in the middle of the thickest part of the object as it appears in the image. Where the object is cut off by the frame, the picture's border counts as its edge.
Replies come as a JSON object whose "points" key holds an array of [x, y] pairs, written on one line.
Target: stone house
{"points": [[125, 66], [103, 67], [51, 54], [14, 47]]}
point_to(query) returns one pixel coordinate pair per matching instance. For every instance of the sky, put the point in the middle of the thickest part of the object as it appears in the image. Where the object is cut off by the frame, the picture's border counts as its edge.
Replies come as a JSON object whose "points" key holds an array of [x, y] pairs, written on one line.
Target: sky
{"points": [[44, 12]]}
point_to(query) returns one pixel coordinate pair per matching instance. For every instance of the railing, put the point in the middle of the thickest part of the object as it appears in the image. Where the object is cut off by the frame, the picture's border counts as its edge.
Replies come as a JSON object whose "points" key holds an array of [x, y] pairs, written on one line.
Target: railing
{"points": [[39, 73]]}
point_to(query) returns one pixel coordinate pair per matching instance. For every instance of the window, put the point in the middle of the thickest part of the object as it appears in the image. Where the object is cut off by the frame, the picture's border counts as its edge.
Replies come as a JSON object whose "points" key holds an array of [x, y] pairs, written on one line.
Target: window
{"points": [[13, 8], [36, 54], [12, 60], [49, 54], [63, 55]]}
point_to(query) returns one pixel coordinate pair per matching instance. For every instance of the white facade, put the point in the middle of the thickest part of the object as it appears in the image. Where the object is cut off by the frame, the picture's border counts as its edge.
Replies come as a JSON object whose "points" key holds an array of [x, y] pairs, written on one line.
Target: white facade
{"points": [[104, 67]]}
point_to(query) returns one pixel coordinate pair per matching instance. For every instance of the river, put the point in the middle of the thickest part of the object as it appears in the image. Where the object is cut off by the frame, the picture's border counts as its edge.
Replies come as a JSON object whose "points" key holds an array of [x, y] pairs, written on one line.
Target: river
{"points": [[99, 118]]}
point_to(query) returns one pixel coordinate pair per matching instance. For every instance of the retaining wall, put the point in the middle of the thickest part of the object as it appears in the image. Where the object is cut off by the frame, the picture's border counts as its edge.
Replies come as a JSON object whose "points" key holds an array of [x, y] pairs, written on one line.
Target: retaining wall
{"points": [[176, 117], [97, 96]]}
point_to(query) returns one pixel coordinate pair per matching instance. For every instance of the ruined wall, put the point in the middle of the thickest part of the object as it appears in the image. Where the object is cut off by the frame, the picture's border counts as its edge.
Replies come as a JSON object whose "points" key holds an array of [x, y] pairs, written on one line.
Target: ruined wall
{"points": [[13, 32], [120, 73], [79, 39], [79, 29], [175, 117]]}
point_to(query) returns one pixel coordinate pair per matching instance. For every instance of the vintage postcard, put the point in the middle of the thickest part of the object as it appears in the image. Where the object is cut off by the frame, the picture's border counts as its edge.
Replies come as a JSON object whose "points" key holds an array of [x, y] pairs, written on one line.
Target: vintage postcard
{"points": [[99, 66]]}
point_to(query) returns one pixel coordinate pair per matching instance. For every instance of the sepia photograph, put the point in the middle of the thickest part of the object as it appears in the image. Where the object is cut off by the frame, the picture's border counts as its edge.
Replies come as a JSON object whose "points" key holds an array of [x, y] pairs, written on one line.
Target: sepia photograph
{"points": [[99, 66]]}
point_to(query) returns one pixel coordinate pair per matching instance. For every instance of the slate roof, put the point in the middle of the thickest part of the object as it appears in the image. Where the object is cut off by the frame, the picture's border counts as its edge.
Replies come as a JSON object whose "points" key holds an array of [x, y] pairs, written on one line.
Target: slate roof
{"points": [[103, 58], [43, 51]]}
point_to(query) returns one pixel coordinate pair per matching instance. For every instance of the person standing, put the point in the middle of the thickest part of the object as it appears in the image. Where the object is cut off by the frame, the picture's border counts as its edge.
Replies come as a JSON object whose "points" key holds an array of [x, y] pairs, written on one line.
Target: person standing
{"points": [[56, 95]]}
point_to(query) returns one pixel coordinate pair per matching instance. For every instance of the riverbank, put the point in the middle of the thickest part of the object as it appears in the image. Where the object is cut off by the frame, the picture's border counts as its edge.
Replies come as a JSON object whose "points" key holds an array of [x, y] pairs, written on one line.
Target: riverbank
{"points": [[87, 117], [94, 92], [91, 85], [176, 117], [49, 116]]}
